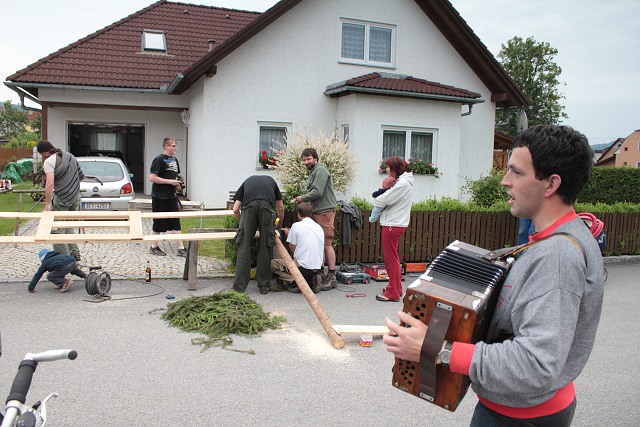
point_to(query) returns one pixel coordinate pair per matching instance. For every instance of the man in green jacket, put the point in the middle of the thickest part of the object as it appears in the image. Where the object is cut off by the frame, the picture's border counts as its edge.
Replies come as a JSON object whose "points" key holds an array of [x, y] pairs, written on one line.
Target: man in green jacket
{"points": [[322, 196]]}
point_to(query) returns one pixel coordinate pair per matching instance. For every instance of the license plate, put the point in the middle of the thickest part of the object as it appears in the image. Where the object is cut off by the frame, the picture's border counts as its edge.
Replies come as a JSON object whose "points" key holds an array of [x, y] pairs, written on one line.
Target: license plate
{"points": [[92, 206]]}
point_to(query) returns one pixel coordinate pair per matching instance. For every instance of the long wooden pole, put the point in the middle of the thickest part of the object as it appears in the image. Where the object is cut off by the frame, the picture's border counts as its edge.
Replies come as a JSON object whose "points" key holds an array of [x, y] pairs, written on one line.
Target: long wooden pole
{"points": [[316, 306]]}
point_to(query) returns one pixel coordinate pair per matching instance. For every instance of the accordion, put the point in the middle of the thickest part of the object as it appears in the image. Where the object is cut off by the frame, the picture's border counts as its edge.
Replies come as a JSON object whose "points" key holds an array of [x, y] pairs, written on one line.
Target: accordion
{"points": [[456, 298]]}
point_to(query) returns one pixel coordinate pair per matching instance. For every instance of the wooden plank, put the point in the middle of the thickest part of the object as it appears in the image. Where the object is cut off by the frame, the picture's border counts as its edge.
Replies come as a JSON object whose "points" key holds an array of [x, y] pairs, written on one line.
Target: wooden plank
{"points": [[135, 225], [44, 226], [20, 215], [360, 329], [86, 224]]}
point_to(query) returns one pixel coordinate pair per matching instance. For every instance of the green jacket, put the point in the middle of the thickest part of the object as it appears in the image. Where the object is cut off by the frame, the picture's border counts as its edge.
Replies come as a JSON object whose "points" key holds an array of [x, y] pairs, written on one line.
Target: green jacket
{"points": [[320, 190]]}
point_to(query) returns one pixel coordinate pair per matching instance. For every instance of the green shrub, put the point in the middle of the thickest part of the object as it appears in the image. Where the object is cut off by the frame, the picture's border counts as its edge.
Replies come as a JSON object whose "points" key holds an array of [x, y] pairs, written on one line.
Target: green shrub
{"points": [[612, 185], [487, 190]]}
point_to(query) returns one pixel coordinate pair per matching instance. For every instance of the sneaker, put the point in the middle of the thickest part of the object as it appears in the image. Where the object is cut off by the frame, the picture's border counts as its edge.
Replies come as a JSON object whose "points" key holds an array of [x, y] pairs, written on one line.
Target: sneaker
{"points": [[264, 290], [155, 250], [182, 252], [76, 255], [381, 297], [294, 289], [66, 286], [329, 282]]}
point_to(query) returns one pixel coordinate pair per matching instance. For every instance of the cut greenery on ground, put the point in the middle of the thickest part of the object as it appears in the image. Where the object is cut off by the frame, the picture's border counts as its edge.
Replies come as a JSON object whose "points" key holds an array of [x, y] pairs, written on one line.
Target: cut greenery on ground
{"points": [[219, 315]]}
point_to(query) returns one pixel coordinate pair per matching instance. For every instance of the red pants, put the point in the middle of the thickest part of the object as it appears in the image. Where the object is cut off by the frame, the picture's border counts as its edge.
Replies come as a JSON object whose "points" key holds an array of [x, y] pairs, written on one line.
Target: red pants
{"points": [[390, 238]]}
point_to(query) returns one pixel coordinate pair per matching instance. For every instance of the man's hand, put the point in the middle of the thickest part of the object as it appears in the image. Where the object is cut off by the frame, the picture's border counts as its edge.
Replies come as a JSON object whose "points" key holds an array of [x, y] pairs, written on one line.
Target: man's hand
{"points": [[405, 342]]}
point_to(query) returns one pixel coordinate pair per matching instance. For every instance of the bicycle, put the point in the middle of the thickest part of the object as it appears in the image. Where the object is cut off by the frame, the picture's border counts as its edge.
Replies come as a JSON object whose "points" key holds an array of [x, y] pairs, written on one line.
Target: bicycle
{"points": [[18, 414]]}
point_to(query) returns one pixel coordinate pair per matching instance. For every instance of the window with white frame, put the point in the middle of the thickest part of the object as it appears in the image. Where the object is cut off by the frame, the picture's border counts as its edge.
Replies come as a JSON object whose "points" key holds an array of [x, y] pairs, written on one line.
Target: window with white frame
{"points": [[273, 137], [153, 40], [367, 43], [345, 133], [416, 144]]}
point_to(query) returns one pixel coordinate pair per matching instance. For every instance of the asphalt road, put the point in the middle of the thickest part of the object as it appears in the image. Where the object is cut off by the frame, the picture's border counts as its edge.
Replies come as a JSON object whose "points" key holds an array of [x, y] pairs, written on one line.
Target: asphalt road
{"points": [[134, 369]]}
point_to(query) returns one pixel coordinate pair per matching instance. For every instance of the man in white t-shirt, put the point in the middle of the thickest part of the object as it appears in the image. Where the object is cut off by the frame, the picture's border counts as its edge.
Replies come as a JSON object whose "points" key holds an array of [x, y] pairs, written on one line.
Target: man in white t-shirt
{"points": [[306, 242]]}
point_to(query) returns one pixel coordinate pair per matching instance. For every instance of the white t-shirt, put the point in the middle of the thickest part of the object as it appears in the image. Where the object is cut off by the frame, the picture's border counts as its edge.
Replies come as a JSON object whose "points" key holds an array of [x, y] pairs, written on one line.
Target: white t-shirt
{"points": [[49, 165], [308, 237]]}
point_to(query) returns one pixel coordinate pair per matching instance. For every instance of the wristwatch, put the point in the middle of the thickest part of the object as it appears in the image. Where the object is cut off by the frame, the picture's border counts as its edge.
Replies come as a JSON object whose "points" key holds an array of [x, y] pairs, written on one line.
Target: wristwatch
{"points": [[444, 356]]}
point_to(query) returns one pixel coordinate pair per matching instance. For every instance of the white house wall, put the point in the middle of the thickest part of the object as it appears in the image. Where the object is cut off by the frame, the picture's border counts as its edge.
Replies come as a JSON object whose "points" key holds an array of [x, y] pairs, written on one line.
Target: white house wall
{"points": [[280, 76], [158, 124]]}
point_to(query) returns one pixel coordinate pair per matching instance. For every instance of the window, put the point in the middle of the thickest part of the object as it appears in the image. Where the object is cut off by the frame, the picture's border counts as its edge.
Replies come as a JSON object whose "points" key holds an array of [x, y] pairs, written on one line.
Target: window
{"points": [[106, 141], [273, 137], [154, 41], [368, 44], [419, 144], [345, 133]]}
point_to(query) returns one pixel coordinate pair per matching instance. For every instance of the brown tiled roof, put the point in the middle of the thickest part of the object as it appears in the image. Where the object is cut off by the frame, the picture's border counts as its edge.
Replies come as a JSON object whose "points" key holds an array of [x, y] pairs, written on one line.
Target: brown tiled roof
{"points": [[113, 57], [382, 83]]}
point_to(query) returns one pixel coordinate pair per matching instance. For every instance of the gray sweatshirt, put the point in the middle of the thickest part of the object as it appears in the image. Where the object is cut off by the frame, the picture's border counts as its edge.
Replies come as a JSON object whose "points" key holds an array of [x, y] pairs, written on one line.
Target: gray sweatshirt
{"points": [[551, 303]]}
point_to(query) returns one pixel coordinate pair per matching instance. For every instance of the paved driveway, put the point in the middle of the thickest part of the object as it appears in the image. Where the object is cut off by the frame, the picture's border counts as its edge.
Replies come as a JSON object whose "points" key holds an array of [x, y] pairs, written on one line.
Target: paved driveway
{"points": [[133, 369]]}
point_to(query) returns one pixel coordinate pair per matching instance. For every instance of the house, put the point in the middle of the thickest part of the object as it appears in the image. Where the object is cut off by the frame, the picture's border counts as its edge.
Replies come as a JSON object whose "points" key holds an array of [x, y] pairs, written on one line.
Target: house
{"points": [[407, 77], [622, 152]]}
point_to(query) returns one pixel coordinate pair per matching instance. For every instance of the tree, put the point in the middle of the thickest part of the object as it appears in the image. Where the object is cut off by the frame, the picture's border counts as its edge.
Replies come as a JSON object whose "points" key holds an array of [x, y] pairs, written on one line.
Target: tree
{"points": [[531, 65], [12, 121]]}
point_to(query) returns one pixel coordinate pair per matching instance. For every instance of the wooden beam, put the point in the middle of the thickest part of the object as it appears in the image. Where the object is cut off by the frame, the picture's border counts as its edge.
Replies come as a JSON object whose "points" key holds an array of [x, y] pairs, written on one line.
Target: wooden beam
{"points": [[360, 329]]}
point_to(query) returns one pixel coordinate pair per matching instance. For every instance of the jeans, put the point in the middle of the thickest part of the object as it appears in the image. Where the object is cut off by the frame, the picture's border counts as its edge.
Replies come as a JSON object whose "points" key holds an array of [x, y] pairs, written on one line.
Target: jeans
{"points": [[58, 277], [525, 228], [485, 417]]}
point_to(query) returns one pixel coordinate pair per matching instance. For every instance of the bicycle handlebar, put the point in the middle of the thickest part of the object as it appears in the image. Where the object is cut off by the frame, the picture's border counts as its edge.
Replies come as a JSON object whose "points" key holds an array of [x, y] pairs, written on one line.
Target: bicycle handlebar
{"points": [[27, 367]]}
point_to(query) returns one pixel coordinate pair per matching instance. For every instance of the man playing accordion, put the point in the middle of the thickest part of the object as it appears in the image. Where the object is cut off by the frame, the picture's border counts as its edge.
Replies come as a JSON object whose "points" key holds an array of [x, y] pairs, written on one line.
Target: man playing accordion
{"points": [[545, 321]]}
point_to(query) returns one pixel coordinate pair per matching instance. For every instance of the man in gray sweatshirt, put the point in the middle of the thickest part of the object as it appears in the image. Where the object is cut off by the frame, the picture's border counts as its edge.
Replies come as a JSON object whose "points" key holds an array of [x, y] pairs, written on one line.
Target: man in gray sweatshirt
{"points": [[545, 322]]}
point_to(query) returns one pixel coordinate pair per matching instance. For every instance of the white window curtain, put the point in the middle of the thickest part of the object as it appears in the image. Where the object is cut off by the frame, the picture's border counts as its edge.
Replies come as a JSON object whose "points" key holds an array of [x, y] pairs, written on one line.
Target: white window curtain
{"points": [[380, 44], [272, 139], [106, 141], [393, 143], [422, 146], [353, 40]]}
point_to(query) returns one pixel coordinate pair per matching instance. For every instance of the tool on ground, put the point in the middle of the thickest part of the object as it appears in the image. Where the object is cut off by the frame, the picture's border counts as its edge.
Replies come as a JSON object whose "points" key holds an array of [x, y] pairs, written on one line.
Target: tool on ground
{"points": [[97, 284]]}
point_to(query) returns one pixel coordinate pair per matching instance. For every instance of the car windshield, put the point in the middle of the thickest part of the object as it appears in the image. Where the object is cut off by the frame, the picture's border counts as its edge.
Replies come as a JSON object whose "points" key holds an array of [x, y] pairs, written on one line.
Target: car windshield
{"points": [[104, 171]]}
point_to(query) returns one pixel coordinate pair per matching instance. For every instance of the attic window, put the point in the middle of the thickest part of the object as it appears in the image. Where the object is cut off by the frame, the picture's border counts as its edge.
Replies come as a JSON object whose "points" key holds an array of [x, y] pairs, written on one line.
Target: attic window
{"points": [[367, 43], [154, 41]]}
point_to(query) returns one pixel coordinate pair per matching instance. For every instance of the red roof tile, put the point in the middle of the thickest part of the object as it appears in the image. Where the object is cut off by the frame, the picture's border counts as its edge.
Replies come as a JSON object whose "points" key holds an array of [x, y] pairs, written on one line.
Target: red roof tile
{"points": [[377, 82], [113, 56]]}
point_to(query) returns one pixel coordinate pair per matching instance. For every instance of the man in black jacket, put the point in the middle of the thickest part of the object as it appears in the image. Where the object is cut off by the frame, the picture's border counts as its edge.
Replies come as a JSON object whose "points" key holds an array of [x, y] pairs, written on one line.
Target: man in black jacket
{"points": [[58, 265]]}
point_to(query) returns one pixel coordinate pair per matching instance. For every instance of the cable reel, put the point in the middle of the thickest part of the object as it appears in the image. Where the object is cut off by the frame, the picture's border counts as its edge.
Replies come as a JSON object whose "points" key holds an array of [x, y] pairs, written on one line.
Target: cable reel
{"points": [[97, 284]]}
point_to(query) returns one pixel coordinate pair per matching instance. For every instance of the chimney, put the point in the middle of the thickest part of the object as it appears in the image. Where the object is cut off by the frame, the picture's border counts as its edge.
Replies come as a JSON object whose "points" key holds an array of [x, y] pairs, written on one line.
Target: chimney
{"points": [[212, 44]]}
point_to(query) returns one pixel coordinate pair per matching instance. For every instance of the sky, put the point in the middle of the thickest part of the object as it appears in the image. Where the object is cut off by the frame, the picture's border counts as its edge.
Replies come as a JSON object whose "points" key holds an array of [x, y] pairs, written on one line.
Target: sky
{"points": [[598, 45]]}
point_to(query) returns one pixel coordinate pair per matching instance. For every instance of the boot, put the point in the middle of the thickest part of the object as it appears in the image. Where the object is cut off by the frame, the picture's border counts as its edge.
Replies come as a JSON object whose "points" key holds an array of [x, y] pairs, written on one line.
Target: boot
{"points": [[329, 282]]}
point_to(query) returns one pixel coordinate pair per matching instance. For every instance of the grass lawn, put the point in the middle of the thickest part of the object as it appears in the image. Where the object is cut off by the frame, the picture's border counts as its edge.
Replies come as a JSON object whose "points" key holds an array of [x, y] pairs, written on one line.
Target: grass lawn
{"points": [[9, 203]]}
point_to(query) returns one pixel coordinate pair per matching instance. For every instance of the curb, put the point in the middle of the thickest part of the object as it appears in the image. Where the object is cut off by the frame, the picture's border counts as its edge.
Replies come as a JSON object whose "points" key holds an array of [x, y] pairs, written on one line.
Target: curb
{"points": [[626, 259]]}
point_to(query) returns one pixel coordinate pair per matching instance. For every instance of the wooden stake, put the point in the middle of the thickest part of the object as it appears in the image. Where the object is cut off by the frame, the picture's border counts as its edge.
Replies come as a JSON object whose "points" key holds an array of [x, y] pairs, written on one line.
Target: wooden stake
{"points": [[316, 306]]}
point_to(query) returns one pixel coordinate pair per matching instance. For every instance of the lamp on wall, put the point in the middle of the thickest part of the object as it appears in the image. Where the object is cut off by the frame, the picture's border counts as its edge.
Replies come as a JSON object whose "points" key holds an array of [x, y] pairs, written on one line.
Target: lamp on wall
{"points": [[185, 116]]}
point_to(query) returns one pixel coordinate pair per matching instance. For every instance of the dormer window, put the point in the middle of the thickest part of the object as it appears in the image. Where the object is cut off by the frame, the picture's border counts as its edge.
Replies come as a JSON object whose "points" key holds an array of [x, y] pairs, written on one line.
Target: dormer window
{"points": [[154, 41], [367, 43]]}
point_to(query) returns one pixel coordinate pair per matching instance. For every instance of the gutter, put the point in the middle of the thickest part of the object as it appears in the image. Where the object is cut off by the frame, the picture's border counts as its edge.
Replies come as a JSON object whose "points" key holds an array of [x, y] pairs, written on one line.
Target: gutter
{"points": [[467, 101], [22, 94], [15, 86]]}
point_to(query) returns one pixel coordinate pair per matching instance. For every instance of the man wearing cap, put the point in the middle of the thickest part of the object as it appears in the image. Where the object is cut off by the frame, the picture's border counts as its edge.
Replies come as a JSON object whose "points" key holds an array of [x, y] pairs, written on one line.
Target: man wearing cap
{"points": [[58, 265]]}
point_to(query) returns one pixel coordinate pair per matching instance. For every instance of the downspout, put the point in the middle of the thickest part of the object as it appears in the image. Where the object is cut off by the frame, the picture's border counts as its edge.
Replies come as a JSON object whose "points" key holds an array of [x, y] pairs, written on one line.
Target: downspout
{"points": [[176, 81], [468, 112]]}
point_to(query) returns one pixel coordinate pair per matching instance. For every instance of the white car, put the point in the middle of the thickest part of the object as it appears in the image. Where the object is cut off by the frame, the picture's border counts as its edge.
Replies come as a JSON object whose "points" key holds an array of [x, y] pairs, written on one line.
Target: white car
{"points": [[106, 184]]}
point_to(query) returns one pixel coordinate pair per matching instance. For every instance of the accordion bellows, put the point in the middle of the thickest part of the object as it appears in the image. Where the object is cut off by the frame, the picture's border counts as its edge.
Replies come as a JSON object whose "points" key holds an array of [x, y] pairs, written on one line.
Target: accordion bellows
{"points": [[456, 298]]}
